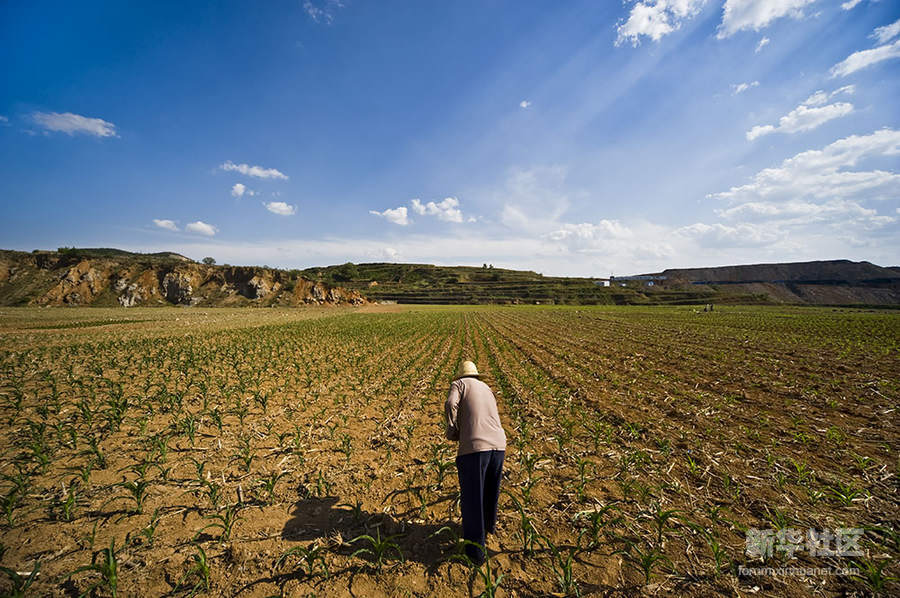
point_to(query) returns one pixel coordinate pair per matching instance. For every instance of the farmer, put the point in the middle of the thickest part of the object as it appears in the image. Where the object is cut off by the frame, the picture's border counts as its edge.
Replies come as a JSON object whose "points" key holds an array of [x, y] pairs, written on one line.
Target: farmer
{"points": [[472, 419]]}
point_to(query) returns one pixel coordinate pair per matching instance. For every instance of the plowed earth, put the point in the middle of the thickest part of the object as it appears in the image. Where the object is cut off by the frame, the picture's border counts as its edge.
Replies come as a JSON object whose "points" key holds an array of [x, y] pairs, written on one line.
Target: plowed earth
{"points": [[643, 444]]}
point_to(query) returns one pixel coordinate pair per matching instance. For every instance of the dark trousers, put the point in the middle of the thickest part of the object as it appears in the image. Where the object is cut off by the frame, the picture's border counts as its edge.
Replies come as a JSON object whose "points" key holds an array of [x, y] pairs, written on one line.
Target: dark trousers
{"points": [[479, 488]]}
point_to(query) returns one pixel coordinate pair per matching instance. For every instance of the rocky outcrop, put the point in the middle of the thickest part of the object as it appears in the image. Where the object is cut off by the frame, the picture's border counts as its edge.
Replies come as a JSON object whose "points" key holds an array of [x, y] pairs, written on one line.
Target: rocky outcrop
{"points": [[177, 289], [51, 278], [260, 287], [77, 285]]}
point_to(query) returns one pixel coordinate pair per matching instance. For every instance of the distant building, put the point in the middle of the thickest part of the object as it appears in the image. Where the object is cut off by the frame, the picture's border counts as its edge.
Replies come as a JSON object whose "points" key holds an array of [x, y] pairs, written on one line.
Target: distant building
{"points": [[647, 279]]}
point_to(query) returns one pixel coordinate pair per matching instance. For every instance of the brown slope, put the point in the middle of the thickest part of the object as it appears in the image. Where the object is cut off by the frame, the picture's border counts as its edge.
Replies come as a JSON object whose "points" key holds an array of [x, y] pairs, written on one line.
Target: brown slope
{"points": [[830, 270], [77, 278]]}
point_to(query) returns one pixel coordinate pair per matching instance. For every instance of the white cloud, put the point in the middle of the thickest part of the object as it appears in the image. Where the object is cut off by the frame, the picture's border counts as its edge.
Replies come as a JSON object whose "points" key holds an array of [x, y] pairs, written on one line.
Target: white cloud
{"points": [[823, 175], [608, 240], [387, 254], [395, 215], [70, 124], [446, 209], [808, 115], [886, 33], [281, 208], [850, 4], [655, 18], [816, 99], [524, 104], [738, 15], [588, 231], [821, 97], [762, 44], [759, 131], [742, 87], [239, 190], [4, 119], [531, 198], [254, 171], [865, 58], [739, 235], [658, 18], [322, 12], [166, 224], [201, 228], [807, 212], [782, 231]]}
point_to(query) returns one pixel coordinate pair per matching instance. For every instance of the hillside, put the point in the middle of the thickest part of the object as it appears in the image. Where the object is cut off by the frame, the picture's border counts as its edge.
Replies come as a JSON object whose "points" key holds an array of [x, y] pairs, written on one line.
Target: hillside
{"points": [[833, 282], [425, 283], [108, 277], [835, 271], [837, 282]]}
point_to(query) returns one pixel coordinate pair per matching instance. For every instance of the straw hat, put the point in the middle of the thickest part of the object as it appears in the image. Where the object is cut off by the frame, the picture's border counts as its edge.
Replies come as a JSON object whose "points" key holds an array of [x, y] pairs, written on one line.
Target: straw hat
{"points": [[466, 368]]}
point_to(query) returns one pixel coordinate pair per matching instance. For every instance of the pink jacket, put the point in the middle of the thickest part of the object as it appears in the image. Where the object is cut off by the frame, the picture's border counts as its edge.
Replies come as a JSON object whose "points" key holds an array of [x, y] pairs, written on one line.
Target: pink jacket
{"points": [[472, 417]]}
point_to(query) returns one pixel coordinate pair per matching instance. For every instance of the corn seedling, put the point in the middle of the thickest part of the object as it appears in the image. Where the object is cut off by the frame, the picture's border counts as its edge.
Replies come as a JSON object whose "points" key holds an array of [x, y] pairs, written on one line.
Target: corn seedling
{"points": [[40, 454], [872, 574], [323, 486], [485, 571], [845, 493], [244, 453], [355, 509], [140, 469], [160, 447], [8, 503], [458, 552], [580, 486], [526, 532], [661, 519], [268, 483], [90, 540], [66, 503], [778, 518], [224, 522], [198, 570], [104, 563], [562, 568], [378, 549], [148, 533], [347, 446], [598, 520], [84, 472], [644, 561], [99, 459], [137, 491], [20, 583], [188, 426], [309, 557], [693, 466]]}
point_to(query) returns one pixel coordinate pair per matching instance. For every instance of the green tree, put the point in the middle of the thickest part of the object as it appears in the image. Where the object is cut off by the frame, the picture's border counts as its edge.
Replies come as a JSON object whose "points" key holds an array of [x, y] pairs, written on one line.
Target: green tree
{"points": [[346, 272]]}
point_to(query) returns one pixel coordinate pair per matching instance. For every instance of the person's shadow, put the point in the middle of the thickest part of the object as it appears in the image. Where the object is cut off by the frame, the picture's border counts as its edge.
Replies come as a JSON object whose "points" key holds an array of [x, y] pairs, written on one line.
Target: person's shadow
{"points": [[338, 524]]}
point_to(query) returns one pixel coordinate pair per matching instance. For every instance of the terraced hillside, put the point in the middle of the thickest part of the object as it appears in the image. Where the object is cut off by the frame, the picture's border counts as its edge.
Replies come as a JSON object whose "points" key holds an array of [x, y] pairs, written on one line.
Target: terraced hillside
{"points": [[836, 282], [425, 283]]}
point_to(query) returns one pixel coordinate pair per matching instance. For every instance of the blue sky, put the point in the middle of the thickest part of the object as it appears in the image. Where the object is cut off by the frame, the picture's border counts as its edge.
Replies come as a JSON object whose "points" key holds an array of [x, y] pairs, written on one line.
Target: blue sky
{"points": [[579, 138]]}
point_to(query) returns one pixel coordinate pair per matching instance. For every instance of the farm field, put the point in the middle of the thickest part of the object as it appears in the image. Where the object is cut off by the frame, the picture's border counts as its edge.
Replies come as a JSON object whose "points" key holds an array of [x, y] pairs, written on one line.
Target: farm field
{"points": [[300, 452]]}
